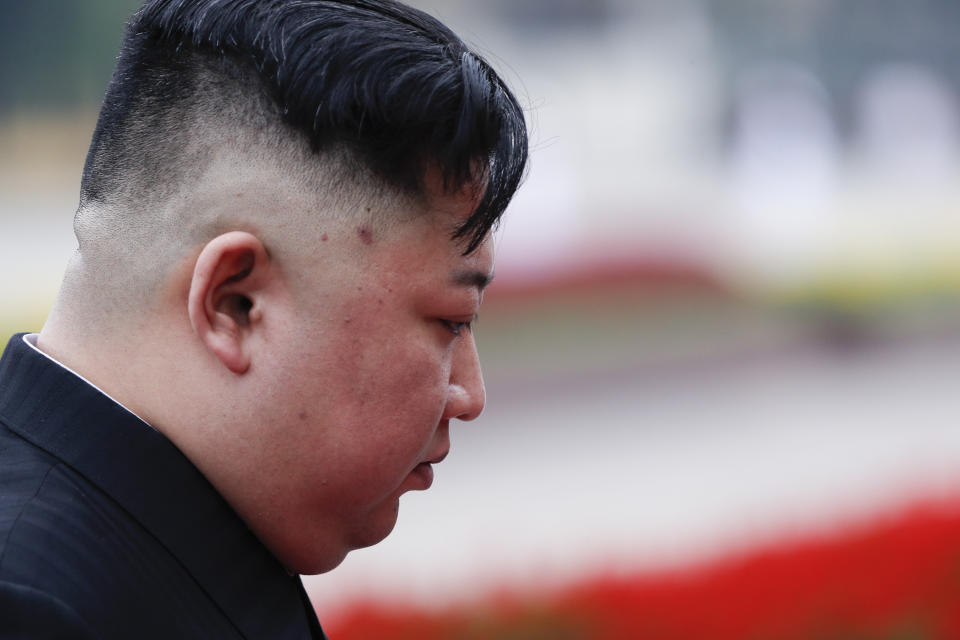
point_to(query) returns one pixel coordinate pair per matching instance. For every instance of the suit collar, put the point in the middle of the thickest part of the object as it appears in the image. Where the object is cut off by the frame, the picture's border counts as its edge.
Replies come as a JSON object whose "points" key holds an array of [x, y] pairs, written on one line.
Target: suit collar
{"points": [[155, 483]]}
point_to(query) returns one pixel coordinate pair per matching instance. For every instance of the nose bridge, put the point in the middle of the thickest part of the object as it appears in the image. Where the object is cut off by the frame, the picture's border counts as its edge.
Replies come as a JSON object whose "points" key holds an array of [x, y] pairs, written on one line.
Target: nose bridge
{"points": [[467, 393]]}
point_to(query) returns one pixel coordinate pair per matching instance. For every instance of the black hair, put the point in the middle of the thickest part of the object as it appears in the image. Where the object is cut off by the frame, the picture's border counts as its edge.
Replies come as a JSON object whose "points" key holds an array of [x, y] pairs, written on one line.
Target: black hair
{"points": [[387, 82]]}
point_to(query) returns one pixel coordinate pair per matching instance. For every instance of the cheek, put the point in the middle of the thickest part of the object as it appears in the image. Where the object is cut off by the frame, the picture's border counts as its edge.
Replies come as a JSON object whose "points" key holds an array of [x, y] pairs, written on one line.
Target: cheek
{"points": [[385, 421], [366, 366], [390, 357], [403, 378], [385, 373]]}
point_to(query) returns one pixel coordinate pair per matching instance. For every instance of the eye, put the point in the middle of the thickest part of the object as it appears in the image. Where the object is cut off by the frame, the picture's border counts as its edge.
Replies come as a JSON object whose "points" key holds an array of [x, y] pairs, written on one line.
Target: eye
{"points": [[456, 328]]}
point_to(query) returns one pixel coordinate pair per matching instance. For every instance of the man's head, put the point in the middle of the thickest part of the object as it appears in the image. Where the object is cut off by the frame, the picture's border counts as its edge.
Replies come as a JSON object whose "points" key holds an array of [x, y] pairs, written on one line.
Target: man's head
{"points": [[284, 232]]}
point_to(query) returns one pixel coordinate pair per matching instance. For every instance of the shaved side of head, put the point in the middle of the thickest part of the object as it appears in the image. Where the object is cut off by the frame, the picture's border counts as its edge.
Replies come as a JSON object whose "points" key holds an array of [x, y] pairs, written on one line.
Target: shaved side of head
{"points": [[177, 176], [352, 106]]}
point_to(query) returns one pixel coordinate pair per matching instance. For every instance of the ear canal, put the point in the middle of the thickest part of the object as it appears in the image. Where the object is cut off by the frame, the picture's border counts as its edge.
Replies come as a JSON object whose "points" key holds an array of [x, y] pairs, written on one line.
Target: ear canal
{"points": [[238, 307]]}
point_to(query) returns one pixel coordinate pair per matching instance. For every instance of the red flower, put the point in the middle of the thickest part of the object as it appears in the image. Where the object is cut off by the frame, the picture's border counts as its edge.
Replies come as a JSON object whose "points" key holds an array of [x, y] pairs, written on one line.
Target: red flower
{"points": [[893, 579]]}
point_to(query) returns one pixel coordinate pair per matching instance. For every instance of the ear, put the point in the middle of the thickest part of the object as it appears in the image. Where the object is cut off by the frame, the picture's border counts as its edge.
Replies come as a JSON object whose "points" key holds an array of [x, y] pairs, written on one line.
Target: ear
{"points": [[226, 296]]}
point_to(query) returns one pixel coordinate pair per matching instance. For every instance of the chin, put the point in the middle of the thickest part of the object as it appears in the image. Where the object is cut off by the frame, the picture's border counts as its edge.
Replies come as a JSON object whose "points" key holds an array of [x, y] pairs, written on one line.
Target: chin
{"points": [[309, 560], [317, 566], [377, 526], [373, 529]]}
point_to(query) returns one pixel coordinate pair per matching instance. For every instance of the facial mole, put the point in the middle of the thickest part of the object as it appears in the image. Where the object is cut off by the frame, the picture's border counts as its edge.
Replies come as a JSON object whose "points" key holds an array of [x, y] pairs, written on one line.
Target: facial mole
{"points": [[380, 301], [366, 235], [324, 237]]}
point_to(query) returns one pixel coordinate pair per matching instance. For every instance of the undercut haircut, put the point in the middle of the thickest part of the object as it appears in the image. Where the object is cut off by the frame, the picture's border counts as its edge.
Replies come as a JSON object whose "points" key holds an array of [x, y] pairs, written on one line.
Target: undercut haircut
{"points": [[389, 85]]}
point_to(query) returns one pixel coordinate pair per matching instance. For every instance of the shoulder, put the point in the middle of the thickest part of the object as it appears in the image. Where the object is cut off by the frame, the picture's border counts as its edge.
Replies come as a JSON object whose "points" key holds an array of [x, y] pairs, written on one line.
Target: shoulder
{"points": [[48, 515], [69, 549], [60, 533], [98, 514], [24, 470], [28, 613]]}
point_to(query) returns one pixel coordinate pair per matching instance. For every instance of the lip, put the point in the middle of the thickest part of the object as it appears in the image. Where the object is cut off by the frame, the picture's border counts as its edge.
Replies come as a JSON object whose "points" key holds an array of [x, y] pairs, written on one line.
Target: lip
{"points": [[424, 473]]}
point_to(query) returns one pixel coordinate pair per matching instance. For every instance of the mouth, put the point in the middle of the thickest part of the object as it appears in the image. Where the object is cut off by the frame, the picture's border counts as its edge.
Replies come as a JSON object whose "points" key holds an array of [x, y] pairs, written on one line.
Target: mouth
{"points": [[424, 473]]}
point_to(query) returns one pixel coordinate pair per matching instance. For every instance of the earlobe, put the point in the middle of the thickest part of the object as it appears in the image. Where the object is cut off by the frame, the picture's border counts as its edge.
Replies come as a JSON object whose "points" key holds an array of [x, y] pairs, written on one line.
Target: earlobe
{"points": [[225, 303]]}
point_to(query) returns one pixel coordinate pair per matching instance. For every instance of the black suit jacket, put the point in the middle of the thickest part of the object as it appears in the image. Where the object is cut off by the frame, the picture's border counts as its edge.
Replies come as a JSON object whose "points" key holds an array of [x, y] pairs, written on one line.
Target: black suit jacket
{"points": [[108, 531]]}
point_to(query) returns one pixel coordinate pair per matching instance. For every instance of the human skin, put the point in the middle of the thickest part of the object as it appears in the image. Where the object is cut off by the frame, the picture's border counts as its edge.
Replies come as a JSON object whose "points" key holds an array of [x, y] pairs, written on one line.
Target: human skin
{"points": [[356, 386], [310, 373]]}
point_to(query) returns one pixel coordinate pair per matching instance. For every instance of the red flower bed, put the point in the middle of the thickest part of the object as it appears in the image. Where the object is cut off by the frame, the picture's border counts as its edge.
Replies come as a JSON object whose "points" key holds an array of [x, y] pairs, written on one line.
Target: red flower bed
{"points": [[896, 579]]}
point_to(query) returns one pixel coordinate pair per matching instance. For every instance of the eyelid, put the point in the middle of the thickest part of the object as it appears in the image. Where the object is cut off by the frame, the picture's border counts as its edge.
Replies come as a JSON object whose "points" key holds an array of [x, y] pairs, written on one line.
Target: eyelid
{"points": [[457, 327]]}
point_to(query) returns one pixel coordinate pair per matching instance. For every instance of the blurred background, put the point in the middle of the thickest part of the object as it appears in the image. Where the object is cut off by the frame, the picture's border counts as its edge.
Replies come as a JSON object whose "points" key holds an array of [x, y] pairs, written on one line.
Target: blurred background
{"points": [[725, 325]]}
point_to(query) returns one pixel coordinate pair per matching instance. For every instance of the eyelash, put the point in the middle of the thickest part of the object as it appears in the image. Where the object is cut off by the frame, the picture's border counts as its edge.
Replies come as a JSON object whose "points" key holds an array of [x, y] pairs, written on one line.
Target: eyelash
{"points": [[456, 328]]}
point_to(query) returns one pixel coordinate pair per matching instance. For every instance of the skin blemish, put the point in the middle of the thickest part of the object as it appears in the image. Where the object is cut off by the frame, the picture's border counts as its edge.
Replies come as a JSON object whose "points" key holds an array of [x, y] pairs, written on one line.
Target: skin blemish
{"points": [[303, 415], [324, 237], [365, 233], [348, 321], [380, 301]]}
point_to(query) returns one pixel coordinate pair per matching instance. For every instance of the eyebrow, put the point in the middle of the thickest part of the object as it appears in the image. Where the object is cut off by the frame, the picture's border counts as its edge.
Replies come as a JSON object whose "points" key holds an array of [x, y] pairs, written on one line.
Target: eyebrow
{"points": [[470, 278]]}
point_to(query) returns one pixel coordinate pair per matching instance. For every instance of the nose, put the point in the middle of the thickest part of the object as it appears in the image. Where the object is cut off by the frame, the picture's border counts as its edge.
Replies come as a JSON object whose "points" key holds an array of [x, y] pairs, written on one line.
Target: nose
{"points": [[465, 392]]}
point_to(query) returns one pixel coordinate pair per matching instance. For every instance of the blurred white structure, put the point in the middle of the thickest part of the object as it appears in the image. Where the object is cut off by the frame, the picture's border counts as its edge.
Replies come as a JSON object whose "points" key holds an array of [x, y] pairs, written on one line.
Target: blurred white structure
{"points": [[784, 162], [908, 126]]}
